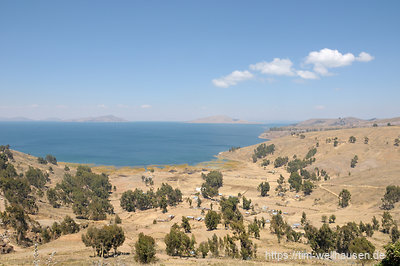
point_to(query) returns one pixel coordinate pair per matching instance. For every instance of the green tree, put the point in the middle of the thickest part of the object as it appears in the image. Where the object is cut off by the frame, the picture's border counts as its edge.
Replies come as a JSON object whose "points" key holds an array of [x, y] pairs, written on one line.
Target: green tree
{"points": [[145, 249], [307, 187], [186, 225], [387, 222], [212, 220], [392, 254], [332, 219], [394, 234], [246, 203], [203, 249], [295, 181], [264, 188], [361, 245], [35, 177], [344, 198]]}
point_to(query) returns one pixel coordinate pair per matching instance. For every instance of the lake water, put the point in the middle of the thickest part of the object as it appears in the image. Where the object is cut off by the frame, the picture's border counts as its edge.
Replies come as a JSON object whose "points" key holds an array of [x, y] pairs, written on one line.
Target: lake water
{"points": [[128, 144]]}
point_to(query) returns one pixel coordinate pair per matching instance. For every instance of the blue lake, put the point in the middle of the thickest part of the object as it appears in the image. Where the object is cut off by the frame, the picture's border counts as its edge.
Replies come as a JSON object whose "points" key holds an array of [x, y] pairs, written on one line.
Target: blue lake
{"points": [[128, 144]]}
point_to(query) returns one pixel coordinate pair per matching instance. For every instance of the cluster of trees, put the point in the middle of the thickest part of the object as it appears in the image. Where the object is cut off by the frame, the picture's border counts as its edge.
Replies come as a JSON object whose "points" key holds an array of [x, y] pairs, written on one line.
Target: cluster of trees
{"points": [[281, 228], [391, 196], [48, 159], [104, 239], [297, 183], [67, 226], [234, 148], [281, 161], [17, 190], [87, 192], [180, 244], [138, 199], [263, 150], [213, 181], [5, 149]]}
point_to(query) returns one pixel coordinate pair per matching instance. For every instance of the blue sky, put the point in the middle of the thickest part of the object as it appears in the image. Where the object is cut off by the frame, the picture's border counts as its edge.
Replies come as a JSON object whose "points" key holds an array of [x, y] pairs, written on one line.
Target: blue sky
{"points": [[180, 60]]}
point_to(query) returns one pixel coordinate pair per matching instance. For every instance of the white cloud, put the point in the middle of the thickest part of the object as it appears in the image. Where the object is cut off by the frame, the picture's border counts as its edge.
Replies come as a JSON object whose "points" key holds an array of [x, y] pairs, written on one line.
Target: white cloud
{"points": [[364, 57], [232, 79], [101, 106], [321, 61], [320, 107], [144, 106], [34, 105], [123, 106], [328, 58], [279, 67], [305, 74]]}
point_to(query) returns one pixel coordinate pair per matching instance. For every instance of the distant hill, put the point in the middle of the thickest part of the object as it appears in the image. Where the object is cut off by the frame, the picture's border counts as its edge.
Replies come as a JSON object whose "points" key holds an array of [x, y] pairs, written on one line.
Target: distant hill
{"points": [[16, 119], [220, 119], [322, 124], [106, 118]]}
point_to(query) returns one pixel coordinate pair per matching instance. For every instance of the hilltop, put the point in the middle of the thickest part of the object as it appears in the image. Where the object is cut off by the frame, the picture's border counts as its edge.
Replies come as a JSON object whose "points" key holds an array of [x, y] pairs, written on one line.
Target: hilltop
{"points": [[220, 119], [378, 166], [323, 124], [106, 118]]}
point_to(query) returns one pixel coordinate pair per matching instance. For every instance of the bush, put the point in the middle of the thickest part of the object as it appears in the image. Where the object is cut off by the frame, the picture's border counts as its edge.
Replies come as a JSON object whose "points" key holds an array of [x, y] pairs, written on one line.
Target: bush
{"points": [[352, 139], [145, 249]]}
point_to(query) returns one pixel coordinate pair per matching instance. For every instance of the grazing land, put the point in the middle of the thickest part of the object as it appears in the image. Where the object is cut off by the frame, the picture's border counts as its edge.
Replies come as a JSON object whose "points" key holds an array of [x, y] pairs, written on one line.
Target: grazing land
{"points": [[376, 167]]}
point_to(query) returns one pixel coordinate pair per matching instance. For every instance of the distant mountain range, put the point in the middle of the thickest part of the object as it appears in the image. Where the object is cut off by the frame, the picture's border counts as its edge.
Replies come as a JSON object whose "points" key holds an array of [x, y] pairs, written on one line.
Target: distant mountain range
{"points": [[106, 118], [219, 119]]}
